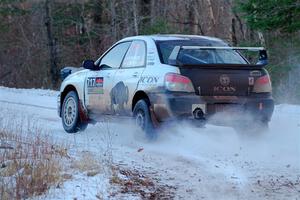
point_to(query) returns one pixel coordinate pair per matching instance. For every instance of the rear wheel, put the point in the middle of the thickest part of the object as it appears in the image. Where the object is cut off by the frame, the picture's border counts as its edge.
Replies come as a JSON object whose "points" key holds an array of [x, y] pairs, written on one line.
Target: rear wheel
{"points": [[70, 114], [141, 114]]}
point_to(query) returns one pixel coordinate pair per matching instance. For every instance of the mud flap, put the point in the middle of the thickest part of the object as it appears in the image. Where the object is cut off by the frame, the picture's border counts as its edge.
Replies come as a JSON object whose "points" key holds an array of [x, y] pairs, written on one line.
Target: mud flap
{"points": [[83, 115], [154, 120]]}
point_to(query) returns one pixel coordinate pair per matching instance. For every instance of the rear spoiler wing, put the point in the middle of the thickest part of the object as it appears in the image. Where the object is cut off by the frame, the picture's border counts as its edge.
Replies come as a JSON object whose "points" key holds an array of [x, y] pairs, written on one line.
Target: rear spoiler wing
{"points": [[262, 61]]}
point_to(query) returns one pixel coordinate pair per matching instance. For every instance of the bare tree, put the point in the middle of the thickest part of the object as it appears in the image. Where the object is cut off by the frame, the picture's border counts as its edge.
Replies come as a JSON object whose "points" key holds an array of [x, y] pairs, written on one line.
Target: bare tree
{"points": [[51, 43], [64, 32], [212, 17], [135, 17], [113, 24]]}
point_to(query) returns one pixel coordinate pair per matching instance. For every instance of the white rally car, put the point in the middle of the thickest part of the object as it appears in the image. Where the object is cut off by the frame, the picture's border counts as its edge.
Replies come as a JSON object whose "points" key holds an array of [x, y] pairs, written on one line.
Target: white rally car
{"points": [[158, 78]]}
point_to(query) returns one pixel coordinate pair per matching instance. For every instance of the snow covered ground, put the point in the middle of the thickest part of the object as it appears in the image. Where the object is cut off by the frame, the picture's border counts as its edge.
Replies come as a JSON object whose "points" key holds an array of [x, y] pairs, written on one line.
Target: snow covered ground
{"points": [[214, 162]]}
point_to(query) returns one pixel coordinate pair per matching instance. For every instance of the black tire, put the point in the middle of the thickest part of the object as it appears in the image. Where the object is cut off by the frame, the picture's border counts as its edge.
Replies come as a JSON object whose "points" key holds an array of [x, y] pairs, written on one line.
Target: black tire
{"points": [[70, 114], [141, 114]]}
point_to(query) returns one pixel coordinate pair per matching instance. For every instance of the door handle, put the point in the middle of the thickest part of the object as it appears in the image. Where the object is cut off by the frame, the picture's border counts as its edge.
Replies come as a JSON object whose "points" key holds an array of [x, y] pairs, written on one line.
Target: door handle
{"points": [[135, 74]]}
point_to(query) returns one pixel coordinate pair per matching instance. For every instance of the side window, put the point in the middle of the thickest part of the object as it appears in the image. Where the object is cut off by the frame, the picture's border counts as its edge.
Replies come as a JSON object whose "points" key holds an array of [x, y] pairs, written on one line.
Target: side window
{"points": [[115, 56], [135, 56]]}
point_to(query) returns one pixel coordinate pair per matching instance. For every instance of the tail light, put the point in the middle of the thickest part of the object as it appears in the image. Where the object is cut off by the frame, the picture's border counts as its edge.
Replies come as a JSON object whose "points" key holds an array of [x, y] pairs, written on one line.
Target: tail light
{"points": [[263, 84], [178, 83]]}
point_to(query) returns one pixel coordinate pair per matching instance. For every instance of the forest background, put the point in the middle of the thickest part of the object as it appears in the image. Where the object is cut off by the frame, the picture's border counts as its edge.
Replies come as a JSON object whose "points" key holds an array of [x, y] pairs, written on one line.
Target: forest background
{"points": [[39, 37]]}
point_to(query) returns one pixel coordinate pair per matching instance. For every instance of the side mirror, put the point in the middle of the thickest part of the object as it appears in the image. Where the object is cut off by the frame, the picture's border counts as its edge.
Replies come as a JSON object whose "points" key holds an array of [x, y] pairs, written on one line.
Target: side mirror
{"points": [[89, 64]]}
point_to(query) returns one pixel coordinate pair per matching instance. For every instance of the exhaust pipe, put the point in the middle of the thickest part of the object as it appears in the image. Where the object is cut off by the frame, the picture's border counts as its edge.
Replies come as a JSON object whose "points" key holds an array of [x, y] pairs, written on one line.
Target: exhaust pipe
{"points": [[198, 113]]}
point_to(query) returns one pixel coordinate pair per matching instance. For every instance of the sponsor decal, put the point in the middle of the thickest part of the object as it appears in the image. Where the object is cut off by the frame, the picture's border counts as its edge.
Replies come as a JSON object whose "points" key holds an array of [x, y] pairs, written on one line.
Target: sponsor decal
{"points": [[95, 85], [251, 80], [228, 89], [224, 80], [225, 85], [150, 63], [255, 73], [151, 51], [148, 80], [150, 58], [119, 95]]}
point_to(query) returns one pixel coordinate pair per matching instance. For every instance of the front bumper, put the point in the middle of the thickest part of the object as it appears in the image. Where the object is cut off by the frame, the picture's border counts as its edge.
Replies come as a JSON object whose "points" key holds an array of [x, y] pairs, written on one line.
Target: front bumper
{"points": [[182, 105]]}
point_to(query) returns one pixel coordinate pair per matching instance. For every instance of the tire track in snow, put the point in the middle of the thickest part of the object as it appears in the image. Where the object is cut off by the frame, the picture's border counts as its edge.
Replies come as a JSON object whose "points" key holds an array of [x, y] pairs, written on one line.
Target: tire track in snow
{"points": [[27, 104]]}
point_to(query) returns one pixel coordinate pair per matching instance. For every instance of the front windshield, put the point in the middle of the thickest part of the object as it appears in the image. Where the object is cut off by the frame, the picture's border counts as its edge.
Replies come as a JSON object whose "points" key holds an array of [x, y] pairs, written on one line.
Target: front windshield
{"points": [[199, 56]]}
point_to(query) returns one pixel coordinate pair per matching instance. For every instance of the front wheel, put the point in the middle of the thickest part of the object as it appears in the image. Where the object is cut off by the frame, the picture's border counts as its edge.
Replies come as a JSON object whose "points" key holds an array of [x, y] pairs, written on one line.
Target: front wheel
{"points": [[70, 114], [141, 114]]}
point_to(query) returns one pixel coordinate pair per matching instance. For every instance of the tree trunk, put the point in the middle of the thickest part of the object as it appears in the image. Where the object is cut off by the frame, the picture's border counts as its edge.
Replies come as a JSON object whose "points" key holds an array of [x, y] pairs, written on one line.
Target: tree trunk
{"points": [[54, 71], [212, 28], [240, 25], [195, 11], [113, 24], [261, 38], [135, 20], [233, 32], [152, 12]]}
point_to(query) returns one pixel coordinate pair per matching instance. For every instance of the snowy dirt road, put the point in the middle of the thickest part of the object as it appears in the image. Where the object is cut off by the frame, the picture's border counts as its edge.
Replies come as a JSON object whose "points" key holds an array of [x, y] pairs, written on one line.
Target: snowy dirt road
{"points": [[213, 162]]}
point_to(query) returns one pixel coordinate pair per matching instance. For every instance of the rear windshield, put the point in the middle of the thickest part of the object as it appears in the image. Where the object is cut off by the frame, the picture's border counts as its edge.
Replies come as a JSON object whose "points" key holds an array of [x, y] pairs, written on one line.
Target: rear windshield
{"points": [[199, 56]]}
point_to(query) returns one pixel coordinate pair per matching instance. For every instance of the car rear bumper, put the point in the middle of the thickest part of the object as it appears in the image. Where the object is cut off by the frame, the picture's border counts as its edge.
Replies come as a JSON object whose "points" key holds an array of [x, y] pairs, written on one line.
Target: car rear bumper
{"points": [[252, 109], [182, 105]]}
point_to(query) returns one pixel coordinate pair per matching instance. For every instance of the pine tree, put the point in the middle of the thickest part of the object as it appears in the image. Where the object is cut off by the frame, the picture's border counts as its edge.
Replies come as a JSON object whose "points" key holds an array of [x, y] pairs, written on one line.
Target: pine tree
{"points": [[272, 15]]}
